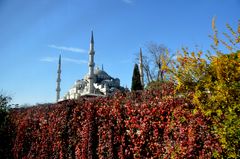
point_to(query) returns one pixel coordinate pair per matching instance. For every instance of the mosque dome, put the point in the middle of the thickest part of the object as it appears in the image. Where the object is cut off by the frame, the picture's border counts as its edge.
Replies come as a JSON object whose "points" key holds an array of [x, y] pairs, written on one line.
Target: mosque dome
{"points": [[101, 74]]}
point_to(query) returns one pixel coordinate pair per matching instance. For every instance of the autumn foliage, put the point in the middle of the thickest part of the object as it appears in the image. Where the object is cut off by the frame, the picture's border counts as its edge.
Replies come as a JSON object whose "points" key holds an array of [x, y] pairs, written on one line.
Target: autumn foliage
{"points": [[212, 84], [150, 124]]}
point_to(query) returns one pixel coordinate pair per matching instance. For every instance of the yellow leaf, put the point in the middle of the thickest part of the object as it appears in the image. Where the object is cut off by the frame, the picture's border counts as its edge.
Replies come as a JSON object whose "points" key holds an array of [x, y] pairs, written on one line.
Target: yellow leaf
{"points": [[213, 23]]}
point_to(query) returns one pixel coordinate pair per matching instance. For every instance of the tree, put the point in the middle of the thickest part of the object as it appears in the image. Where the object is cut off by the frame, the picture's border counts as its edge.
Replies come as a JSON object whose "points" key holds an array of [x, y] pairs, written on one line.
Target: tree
{"points": [[214, 87], [156, 63], [217, 95], [136, 81], [4, 105], [4, 102], [4, 134], [189, 70]]}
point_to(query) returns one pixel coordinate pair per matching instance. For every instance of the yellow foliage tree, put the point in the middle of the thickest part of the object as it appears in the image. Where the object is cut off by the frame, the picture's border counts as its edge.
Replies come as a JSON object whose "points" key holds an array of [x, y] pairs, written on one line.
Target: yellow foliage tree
{"points": [[220, 100], [214, 85]]}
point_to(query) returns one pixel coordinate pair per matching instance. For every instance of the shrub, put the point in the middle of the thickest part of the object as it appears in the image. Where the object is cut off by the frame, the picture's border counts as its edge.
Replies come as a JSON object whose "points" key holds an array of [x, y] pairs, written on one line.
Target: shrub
{"points": [[149, 124]]}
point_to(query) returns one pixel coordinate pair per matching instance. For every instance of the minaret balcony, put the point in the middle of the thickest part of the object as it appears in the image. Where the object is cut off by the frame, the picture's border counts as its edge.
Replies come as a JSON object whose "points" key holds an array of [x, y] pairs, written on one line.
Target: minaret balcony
{"points": [[91, 64], [91, 52]]}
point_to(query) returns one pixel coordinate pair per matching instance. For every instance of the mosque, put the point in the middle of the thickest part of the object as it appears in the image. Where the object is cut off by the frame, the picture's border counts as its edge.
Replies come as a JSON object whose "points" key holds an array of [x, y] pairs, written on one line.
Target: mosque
{"points": [[95, 83]]}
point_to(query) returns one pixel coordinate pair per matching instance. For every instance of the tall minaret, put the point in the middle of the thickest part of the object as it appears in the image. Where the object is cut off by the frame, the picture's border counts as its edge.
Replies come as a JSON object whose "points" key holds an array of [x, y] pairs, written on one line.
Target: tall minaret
{"points": [[141, 67], [58, 79], [91, 65]]}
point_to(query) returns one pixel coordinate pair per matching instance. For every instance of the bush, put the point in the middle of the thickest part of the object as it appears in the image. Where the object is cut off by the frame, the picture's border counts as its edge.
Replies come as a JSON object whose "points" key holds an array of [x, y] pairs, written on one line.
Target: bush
{"points": [[135, 125]]}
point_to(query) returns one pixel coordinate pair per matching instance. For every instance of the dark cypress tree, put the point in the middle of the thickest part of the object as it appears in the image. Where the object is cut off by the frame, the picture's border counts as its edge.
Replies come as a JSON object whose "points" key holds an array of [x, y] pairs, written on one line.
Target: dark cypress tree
{"points": [[136, 81]]}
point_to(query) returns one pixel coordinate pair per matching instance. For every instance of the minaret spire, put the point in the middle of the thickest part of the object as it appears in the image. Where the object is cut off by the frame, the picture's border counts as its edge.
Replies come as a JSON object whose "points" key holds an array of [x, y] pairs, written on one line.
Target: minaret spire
{"points": [[58, 79], [91, 65], [141, 67], [92, 39]]}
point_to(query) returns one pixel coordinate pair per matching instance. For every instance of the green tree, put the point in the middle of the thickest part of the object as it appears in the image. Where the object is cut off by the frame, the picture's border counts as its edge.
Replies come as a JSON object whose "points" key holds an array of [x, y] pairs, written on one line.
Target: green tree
{"points": [[136, 81], [4, 134], [4, 105]]}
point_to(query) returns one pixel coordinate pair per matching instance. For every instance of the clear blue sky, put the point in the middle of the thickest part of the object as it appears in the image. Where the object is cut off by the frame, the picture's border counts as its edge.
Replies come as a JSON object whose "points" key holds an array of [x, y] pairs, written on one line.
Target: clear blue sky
{"points": [[32, 33]]}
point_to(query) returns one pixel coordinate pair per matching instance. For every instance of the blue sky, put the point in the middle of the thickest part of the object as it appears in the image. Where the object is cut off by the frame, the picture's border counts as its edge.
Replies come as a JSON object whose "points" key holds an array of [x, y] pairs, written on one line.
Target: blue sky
{"points": [[34, 32]]}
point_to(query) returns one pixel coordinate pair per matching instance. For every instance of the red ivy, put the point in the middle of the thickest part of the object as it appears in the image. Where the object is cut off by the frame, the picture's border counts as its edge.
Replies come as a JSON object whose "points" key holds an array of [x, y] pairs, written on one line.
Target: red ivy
{"points": [[150, 124]]}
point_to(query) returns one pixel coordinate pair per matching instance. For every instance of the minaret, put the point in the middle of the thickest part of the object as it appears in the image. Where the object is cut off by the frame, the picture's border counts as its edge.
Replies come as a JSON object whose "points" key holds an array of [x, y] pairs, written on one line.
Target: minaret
{"points": [[91, 65], [141, 67], [58, 79]]}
